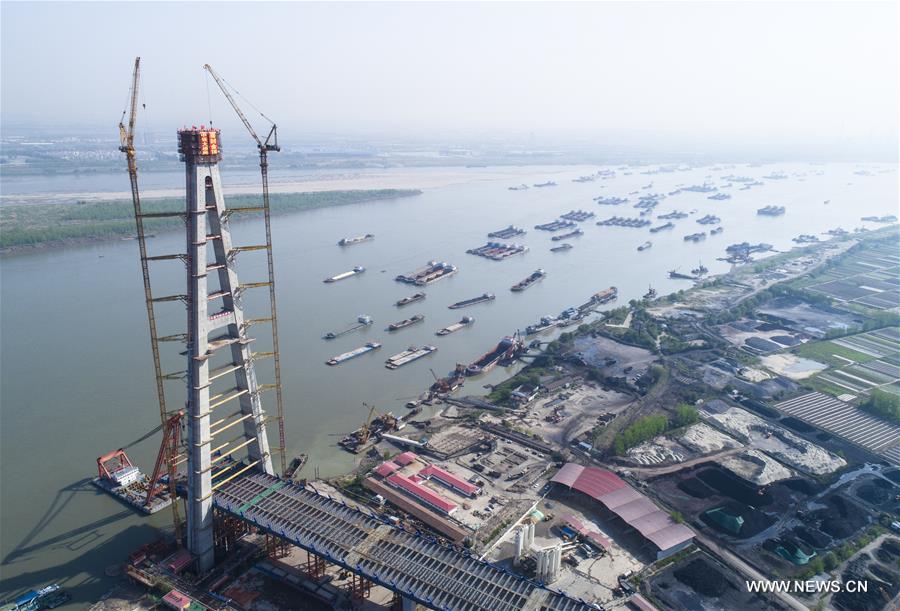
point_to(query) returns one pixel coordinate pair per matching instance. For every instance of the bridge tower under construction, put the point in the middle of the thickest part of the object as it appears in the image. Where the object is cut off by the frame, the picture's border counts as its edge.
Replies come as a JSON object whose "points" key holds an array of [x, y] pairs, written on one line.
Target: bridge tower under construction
{"points": [[225, 416]]}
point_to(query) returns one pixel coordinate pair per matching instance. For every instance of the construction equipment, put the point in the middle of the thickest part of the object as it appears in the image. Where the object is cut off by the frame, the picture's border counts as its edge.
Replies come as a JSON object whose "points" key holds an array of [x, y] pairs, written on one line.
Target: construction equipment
{"points": [[366, 430], [270, 144], [126, 136], [168, 454]]}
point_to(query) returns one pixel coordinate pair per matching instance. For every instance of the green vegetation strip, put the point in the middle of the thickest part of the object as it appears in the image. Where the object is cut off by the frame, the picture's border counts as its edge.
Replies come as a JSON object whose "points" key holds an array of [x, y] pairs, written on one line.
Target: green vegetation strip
{"points": [[261, 496], [41, 224]]}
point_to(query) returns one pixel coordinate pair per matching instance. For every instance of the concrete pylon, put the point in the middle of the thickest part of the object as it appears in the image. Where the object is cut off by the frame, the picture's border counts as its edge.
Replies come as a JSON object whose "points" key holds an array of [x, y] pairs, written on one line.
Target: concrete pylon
{"points": [[229, 418]]}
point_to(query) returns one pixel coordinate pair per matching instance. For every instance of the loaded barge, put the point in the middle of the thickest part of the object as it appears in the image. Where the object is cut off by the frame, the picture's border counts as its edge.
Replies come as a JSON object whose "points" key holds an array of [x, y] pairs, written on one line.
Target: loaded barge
{"points": [[369, 347], [353, 272], [431, 272], [562, 247], [506, 350], [465, 321], [544, 324], [356, 240], [408, 300], [474, 300], [556, 225], [577, 215], [505, 234], [361, 321], [659, 228], [408, 356], [525, 283], [396, 326], [497, 251]]}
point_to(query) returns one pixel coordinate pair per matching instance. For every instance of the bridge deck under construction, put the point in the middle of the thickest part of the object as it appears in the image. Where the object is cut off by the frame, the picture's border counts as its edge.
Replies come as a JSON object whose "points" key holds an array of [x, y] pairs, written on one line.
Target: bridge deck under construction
{"points": [[412, 565]]}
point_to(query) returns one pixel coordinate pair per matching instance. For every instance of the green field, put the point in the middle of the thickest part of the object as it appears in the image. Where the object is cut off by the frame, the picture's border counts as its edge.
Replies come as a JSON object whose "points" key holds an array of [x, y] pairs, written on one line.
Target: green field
{"points": [[53, 224], [824, 353]]}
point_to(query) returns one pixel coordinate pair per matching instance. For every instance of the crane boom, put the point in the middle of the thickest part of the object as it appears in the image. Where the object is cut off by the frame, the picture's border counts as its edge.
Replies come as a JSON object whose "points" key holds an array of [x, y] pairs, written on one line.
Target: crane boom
{"points": [[270, 144], [126, 137]]}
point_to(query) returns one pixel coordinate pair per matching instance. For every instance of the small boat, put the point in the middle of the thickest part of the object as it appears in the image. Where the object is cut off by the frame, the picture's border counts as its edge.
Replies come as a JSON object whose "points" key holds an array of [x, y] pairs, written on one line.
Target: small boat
{"points": [[295, 465], [356, 240], [361, 321], [562, 248], [396, 326], [645, 245], [411, 299], [650, 294], [676, 275], [717, 230]]}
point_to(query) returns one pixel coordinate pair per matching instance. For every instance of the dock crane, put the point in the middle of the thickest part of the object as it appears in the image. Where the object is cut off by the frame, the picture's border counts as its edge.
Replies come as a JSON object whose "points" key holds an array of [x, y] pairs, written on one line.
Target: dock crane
{"points": [[264, 147], [168, 453], [365, 430]]}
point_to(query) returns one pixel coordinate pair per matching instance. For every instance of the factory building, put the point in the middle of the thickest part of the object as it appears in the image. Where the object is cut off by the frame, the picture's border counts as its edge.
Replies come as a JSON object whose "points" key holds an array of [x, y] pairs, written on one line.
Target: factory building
{"points": [[422, 493], [453, 482]]}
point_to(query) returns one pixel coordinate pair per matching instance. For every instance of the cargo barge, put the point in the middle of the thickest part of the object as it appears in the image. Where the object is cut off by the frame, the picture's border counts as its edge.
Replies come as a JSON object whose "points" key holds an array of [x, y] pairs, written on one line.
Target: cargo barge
{"points": [[497, 251], [353, 272], [674, 274], [709, 219], [431, 272], [719, 197], [659, 228], [771, 211], [645, 245], [449, 383], [621, 221], [577, 215], [506, 350], [396, 326], [611, 201], [549, 183], [369, 347], [674, 215], [465, 321], [473, 301], [507, 233], [295, 465], [556, 225], [362, 321], [695, 237], [527, 282], [408, 356], [716, 231], [566, 236], [356, 240], [562, 247], [411, 299], [544, 324], [601, 297]]}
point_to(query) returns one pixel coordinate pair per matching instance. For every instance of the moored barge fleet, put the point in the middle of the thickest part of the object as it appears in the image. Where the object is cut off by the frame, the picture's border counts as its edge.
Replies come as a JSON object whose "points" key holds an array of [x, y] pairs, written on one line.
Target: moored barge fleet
{"points": [[408, 356], [464, 322], [498, 250], [507, 233], [577, 215], [346, 356], [474, 300], [506, 350], [771, 211], [353, 272], [523, 284], [431, 272], [556, 225]]}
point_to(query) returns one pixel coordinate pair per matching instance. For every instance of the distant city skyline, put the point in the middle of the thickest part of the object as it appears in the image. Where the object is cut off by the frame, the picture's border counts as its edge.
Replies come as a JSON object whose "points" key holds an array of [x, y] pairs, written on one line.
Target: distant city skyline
{"points": [[760, 78]]}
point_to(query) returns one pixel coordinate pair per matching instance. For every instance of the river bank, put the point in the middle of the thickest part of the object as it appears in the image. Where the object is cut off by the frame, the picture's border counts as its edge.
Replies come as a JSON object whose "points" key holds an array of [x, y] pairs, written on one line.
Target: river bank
{"points": [[38, 226]]}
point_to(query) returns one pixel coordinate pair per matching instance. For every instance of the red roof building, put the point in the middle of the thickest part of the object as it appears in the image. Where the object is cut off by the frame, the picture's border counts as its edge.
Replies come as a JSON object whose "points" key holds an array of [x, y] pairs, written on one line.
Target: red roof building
{"points": [[405, 458], [386, 468], [422, 493], [636, 510], [450, 480]]}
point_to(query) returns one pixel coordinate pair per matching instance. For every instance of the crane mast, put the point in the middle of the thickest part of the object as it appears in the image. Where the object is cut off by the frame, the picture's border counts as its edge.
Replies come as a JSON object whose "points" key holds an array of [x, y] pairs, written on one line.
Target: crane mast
{"points": [[126, 136], [270, 144]]}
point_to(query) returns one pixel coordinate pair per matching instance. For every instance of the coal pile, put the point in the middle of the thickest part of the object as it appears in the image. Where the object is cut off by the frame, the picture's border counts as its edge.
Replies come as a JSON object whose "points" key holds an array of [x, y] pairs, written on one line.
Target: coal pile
{"points": [[876, 492], [889, 552], [730, 485], [797, 425], [696, 488], [737, 520], [703, 578], [841, 518], [874, 598], [812, 537], [804, 486], [893, 475]]}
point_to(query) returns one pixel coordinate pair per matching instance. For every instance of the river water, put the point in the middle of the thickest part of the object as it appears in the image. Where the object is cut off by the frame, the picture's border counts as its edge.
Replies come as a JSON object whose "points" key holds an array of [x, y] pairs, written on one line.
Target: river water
{"points": [[76, 377]]}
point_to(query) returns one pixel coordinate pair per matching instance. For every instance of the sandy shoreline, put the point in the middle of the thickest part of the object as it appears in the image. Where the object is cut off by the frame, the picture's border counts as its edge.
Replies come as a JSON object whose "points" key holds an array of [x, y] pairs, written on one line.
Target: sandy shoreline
{"points": [[401, 178]]}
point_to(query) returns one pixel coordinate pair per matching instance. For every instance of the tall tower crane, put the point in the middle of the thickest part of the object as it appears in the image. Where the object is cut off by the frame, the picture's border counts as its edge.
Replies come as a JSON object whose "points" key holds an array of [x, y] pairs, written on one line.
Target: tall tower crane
{"points": [[270, 144], [167, 450]]}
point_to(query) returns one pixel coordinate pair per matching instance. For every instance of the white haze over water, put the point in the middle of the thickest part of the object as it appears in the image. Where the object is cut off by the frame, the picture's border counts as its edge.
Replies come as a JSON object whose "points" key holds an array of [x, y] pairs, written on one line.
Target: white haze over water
{"points": [[816, 78]]}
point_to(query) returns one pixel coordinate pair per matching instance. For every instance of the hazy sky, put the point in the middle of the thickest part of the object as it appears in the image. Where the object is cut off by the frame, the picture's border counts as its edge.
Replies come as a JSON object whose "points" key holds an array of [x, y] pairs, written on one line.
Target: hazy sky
{"points": [[820, 74]]}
